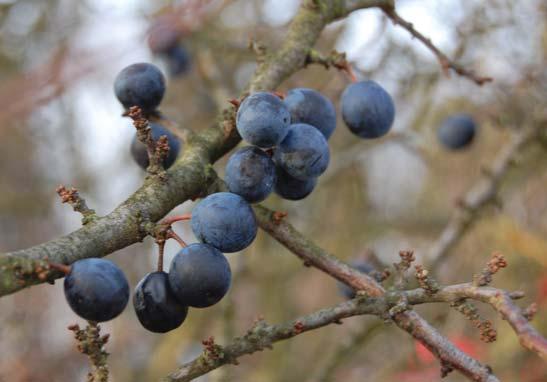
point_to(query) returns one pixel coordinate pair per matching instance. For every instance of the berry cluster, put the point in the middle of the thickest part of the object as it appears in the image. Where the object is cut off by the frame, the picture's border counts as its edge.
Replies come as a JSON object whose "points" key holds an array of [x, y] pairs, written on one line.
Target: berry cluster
{"points": [[289, 137], [288, 152]]}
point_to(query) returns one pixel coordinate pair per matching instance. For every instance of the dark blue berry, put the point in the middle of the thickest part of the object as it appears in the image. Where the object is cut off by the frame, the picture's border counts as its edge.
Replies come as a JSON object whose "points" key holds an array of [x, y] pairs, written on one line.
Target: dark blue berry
{"points": [[140, 153], [141, 85], [96, 289], [250, 173], [304, 153], [291, 188], [361, 266], [225, 221], [199, 275], [457, 131], [313, 108], [155, 304], [263, 119], [367, 109], [178, 60]]}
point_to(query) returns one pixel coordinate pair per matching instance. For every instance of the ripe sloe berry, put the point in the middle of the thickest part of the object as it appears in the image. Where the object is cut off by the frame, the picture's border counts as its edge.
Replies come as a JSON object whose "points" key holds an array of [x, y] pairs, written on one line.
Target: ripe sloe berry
{"points": [[155, 304], [178, 60], [367, 109], [140, 153], [311, 107], [225, 221], [291, 188], [457, 131], [96, 289], [263, 119], [304, 153], [199, 275], [140, 85], [250, 173]]}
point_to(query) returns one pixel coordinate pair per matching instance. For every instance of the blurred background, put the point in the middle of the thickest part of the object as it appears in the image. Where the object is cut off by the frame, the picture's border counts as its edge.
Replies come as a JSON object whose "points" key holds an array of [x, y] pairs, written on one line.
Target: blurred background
{"points": [[61, 123]]}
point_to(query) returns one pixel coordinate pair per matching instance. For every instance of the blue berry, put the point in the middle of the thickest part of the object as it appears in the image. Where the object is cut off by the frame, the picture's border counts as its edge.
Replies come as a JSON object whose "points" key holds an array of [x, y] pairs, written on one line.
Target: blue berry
{"points": [[155, 304], [263, 119], [291, 188], [96, 289], [457, 131], [250, 173], [199, 275], [361, 266], [141, 85], [311, 107], [140, 153], [225, 221], [178, 60], [367, 109], [304, 153]]}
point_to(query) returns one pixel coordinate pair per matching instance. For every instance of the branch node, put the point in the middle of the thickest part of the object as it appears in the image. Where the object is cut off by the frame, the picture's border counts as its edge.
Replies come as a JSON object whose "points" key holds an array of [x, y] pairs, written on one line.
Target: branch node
{"points": [[334, 59], [530, 311], [496, 262], [72, 197], [298, 327], [429, 284], [212, 351], [278, 216]]}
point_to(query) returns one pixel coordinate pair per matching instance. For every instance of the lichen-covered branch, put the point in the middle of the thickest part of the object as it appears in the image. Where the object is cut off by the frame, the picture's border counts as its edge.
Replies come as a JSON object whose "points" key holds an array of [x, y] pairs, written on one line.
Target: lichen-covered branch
{"points": [[187, 179]]}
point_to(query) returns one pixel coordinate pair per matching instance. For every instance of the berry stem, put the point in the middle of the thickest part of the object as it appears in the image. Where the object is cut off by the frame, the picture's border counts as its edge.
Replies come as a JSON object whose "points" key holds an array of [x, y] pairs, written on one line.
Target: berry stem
{"points": [[172, 235], [174, 219], [60, 267], [161, 246]]}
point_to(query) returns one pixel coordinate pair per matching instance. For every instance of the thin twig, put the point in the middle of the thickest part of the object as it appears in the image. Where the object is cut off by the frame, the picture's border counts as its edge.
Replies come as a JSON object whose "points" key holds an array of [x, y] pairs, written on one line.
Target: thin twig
{"points": [[72, 197], [482, 193], [443, 59], [91, 343]]}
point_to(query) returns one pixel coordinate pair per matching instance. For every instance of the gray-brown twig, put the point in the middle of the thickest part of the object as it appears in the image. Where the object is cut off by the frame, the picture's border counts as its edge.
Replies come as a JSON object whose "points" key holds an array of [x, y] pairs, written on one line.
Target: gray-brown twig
{"points": [[91, 343], [482, 193], [443, 59], [72, 197], [157, 150]]}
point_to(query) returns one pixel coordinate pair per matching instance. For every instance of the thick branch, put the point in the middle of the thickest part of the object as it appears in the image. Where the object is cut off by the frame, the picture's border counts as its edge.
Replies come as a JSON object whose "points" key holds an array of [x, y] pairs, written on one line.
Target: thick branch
{"points": [[187, 179]]}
